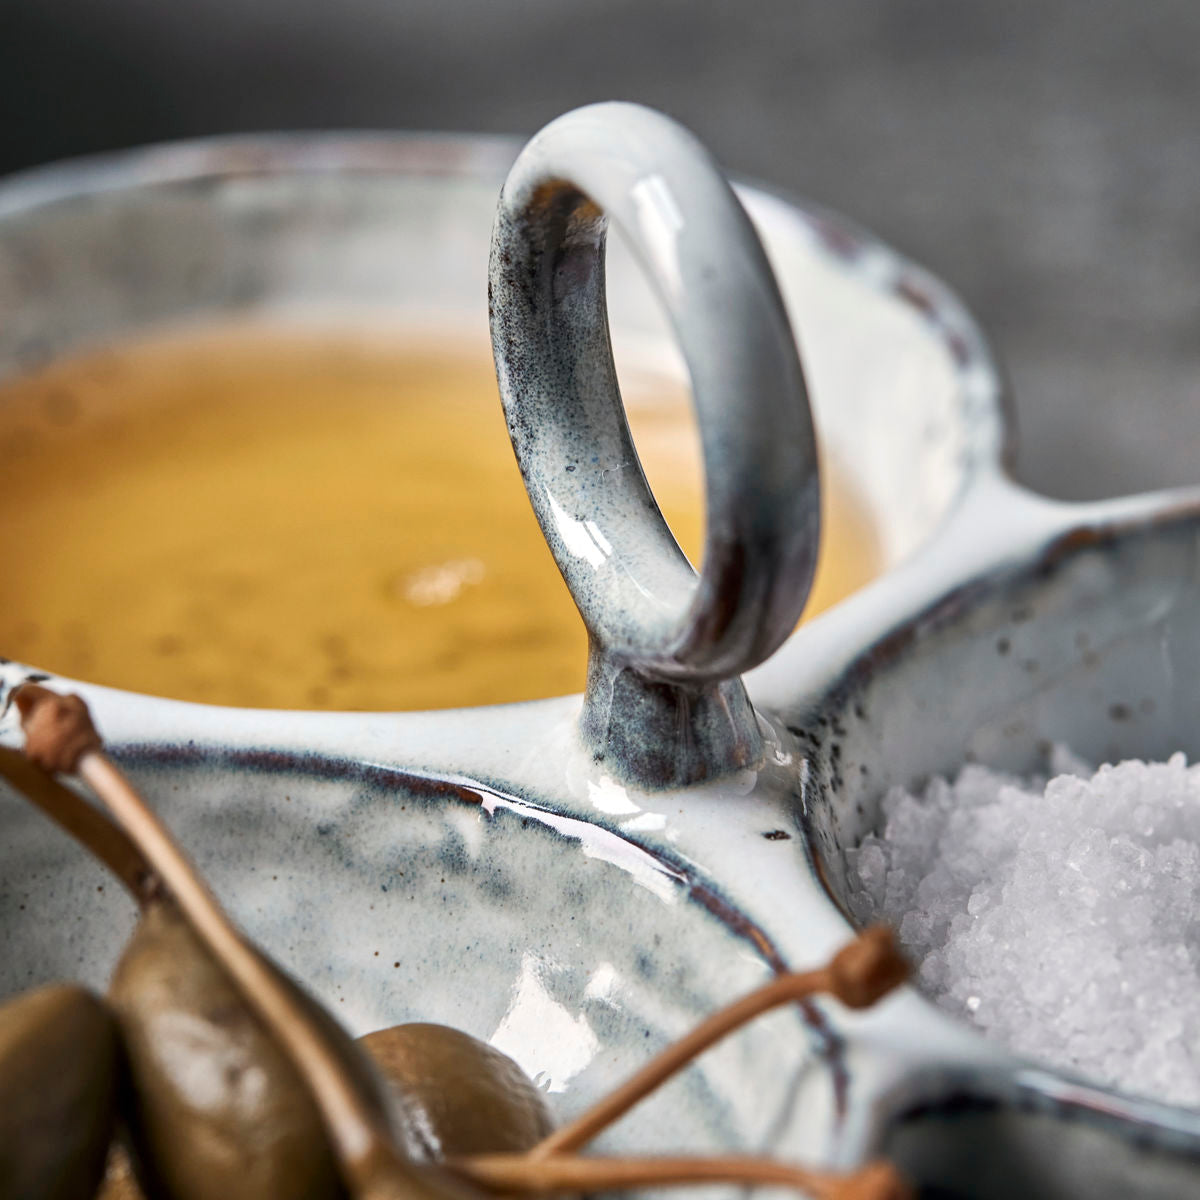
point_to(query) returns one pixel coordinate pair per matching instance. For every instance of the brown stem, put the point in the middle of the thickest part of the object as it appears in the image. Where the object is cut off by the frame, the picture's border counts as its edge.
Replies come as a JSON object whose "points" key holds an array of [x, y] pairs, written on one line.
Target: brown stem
{"points": [[520, 1173], [60, 736], [82, 821], [676, 1056], [858, 975], [352, 1126]]}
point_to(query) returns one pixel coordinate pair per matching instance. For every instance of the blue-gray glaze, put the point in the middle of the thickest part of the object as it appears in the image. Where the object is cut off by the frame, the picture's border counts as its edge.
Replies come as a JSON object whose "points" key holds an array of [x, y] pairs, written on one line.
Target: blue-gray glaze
{"points": [[400, 898], [662, 706], [555, 869], [1084, 629]]}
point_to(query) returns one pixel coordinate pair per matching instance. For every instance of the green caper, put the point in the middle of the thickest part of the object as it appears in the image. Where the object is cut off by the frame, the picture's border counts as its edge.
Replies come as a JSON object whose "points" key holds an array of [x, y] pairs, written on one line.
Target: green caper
{"points": [[217, 1110], [58, 1087], [457, 1095], [241, 1086]]}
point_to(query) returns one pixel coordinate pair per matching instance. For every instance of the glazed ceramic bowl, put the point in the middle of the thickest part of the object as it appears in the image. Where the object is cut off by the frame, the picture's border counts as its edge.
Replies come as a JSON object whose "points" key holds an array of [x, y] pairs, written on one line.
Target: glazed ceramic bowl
{"points": [[321, 225], [1077, 625], [521, 875]]}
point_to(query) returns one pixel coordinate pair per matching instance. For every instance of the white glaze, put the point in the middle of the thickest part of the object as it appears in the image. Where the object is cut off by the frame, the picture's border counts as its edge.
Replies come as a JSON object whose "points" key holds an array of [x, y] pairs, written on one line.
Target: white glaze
{"points": [[901, 384]]}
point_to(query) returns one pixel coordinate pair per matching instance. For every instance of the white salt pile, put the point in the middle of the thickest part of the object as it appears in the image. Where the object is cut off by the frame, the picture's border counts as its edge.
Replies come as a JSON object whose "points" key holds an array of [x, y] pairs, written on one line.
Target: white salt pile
{"points": [[1063, 918]]}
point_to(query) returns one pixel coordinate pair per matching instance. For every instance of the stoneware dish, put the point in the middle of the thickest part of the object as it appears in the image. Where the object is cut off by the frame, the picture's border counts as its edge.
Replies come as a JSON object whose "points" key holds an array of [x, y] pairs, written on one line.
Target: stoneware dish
{"points": [[578, 880]]}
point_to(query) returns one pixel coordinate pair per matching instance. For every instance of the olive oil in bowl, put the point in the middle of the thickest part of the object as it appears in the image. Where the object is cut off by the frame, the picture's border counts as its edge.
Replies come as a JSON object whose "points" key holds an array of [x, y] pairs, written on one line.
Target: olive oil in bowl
{"points": [[312, 517]]}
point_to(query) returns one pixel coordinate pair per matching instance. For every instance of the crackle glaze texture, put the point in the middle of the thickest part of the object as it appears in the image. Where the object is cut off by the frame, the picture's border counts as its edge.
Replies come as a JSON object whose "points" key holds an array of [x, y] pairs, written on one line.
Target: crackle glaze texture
{"points": [[662, 703], [480, 868]]}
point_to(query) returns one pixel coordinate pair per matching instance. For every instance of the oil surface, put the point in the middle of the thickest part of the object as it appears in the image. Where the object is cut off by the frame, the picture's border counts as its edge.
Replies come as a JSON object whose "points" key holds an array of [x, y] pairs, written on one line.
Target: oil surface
{"points": [[313, 518]]}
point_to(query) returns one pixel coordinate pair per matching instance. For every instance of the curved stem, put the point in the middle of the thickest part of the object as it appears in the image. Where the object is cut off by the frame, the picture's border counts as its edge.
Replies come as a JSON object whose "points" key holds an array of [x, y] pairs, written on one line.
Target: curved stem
{"points": [[357, 1138], [860, 974], [91, 828], [520, 1173], [620, 1100]]}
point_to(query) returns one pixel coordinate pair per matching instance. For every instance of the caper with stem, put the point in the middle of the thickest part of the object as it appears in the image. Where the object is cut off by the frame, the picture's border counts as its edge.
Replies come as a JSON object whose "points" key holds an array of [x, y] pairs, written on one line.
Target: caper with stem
{"points": [[58, 1089], [373, 1164], [459, 1095]]}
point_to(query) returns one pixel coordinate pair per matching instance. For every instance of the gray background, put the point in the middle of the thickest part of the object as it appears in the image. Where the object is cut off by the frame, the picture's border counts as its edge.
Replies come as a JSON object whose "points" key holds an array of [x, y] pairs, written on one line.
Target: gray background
{"points": [[1040, 157]]}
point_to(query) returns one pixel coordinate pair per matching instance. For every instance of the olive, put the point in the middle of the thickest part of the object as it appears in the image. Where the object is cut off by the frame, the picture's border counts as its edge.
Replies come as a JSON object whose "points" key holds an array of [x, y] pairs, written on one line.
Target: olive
{"points": [[241, 1087], [217, 1111], [119, 1182], [457, 1095], [217, 1108], [59, 1065]]}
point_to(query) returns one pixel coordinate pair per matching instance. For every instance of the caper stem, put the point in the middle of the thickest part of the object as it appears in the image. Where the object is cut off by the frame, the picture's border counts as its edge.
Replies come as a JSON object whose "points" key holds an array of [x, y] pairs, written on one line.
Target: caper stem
{"points": [[90, 827], [676, 1056], [351, 1125], [520, 1173], [60, 737], [858, 975]]}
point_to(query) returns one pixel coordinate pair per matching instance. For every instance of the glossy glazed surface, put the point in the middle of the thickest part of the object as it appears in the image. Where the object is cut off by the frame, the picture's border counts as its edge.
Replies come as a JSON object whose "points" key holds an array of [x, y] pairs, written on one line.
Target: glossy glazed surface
{"points": [[663, 703], [527, 895], [566, 945]]}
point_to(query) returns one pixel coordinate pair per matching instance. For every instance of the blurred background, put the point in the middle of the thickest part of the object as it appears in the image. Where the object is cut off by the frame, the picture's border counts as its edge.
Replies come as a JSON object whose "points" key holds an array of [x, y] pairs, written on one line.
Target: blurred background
{"points": [[1043, 158]]}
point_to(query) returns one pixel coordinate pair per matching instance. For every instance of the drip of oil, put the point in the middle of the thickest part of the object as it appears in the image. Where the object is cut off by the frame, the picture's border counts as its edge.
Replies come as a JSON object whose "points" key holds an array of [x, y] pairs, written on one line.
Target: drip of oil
{"points": [[311, 518]]}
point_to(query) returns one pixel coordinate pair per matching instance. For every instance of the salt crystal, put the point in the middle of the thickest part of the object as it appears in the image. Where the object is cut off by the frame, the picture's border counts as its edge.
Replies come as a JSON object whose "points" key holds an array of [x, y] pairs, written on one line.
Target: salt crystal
{"points": [[1061, 916]]}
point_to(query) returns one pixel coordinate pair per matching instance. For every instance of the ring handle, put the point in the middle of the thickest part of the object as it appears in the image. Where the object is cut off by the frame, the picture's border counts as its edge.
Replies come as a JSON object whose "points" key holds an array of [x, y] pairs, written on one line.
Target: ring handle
{"points": [[663, 700]]}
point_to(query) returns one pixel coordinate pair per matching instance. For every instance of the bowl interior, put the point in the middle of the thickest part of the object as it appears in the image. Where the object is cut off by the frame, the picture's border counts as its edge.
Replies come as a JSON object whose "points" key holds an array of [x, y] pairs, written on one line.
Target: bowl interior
{"points": [[905, 397], [1093, 643], [396, 898]]}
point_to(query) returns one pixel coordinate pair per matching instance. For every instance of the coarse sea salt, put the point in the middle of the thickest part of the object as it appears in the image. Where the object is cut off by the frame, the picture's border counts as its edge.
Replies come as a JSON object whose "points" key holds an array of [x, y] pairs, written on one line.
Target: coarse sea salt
{"points": [[1061, 917]]}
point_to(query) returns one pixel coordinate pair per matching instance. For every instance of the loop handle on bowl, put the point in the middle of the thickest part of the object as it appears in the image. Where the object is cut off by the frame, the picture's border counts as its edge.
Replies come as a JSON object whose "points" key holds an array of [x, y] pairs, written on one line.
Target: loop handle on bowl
{"points": [[663, 704]]}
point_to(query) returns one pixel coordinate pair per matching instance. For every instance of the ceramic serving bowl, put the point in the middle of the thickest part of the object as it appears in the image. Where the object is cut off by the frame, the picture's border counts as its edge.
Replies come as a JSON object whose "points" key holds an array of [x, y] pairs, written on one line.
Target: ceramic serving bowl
{"points": [[579, 879], [1028, 624]]}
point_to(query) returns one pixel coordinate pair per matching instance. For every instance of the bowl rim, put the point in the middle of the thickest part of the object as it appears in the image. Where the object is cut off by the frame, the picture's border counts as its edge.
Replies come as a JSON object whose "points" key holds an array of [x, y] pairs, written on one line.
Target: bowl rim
{"points": [[983, 401]]}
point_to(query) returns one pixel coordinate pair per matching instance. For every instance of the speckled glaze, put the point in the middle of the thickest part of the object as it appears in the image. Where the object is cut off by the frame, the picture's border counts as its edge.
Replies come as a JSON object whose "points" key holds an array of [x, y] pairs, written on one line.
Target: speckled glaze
{"points": [[663, 704], [479, 867], [1028, 623]]}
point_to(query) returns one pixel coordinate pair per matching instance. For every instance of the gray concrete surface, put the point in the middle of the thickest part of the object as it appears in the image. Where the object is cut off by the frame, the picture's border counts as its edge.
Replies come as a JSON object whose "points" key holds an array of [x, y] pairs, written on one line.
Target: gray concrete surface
{"points": [[1042, 157]]}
